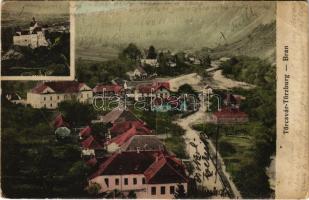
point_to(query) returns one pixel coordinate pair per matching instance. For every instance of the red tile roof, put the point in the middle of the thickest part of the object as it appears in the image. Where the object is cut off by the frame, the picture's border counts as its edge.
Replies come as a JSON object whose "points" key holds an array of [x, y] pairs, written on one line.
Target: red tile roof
{"points": [[92, 161], [147, 88], [125, 163], [156, 166], [121, 139], [85, 132], [121, 127], [60, 122], [165, 169], [58, 86], [108, 88], [226, 113], [229, 116], [91, 143], [119, 115]]}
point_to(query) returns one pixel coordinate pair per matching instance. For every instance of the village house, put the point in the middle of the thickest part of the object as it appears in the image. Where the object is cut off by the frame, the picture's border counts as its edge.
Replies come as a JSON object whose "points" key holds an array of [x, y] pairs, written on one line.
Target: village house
{"points": [[144, 143], [229, 116], [138, 73], [155, 89], [50, 94], [233, 101], [33, 38], [121, 127], [150, 174], [14, 98], [108, 90], [151, 62], [115, 143], [91, 144], [171, 64], [60, 121], [118, 115]]}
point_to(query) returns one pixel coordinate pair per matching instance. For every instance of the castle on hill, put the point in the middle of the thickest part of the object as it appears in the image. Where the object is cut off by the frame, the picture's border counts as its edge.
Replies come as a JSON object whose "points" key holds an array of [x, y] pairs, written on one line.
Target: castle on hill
{"points": [[34, 37]]}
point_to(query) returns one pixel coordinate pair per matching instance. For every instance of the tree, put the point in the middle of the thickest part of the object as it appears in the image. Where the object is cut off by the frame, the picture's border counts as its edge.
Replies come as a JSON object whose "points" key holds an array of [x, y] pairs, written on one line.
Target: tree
{"points": [[93, 188], [206, 61], [99, 129], [76, 113], [180, 192], [186, 89], [132, 52], [132, 195], [152, 54]]}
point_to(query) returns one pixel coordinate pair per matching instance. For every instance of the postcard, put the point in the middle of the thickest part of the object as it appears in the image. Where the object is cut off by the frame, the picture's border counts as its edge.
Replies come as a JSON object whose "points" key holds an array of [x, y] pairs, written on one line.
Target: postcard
{"points": [[155, 99]]}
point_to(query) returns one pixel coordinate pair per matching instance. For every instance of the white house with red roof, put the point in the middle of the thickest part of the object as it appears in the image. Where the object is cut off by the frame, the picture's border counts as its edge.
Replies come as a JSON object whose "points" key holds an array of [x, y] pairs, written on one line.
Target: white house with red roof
{"points": [[150, 174], [108, 90], [155, 89], [50, 94], [138, 73], [229, 116]]}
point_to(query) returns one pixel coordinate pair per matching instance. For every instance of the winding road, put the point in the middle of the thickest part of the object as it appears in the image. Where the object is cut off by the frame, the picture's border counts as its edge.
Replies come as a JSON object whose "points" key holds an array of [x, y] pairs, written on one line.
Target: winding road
{"points": [[196, 147]]}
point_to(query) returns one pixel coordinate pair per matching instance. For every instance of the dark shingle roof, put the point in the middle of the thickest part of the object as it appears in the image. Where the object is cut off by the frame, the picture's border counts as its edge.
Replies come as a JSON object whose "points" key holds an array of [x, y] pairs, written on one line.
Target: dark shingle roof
{"points": [[144, 143]]}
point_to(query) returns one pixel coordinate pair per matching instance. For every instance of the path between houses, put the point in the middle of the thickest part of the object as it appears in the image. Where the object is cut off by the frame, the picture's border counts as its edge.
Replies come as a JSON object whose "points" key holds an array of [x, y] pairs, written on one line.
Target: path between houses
{"points": [[192, 136]]}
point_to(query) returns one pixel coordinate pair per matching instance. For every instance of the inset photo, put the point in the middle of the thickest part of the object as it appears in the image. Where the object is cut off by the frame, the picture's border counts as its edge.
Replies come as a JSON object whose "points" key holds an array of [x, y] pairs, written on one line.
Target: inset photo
{"points": [[36, 41]]}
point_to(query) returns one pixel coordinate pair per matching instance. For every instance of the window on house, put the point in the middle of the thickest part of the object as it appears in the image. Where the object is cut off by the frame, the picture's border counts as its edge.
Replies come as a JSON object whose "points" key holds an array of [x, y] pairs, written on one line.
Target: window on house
{"points": [[134, 181], [117, 181], [106, 182], [51, 105], [44, 98], [162, 189], [51, 98], [144, 181], [58, 97], [44, 105], [126, 181], [87, 95], [172, 189], [153, 190], [81, 95]]}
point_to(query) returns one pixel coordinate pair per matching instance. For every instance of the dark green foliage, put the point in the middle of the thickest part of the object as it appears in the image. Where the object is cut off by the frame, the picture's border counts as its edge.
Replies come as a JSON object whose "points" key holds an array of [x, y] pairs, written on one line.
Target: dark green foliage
{"points": [[132, 52], [187, 89], [246, 149], [103, 72], [93, 189], [99, 130], [252, 181], [132, 195], [33, 163], [152, 54], [77, 114], [180, 192], [206, 61], [251, 70]]}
